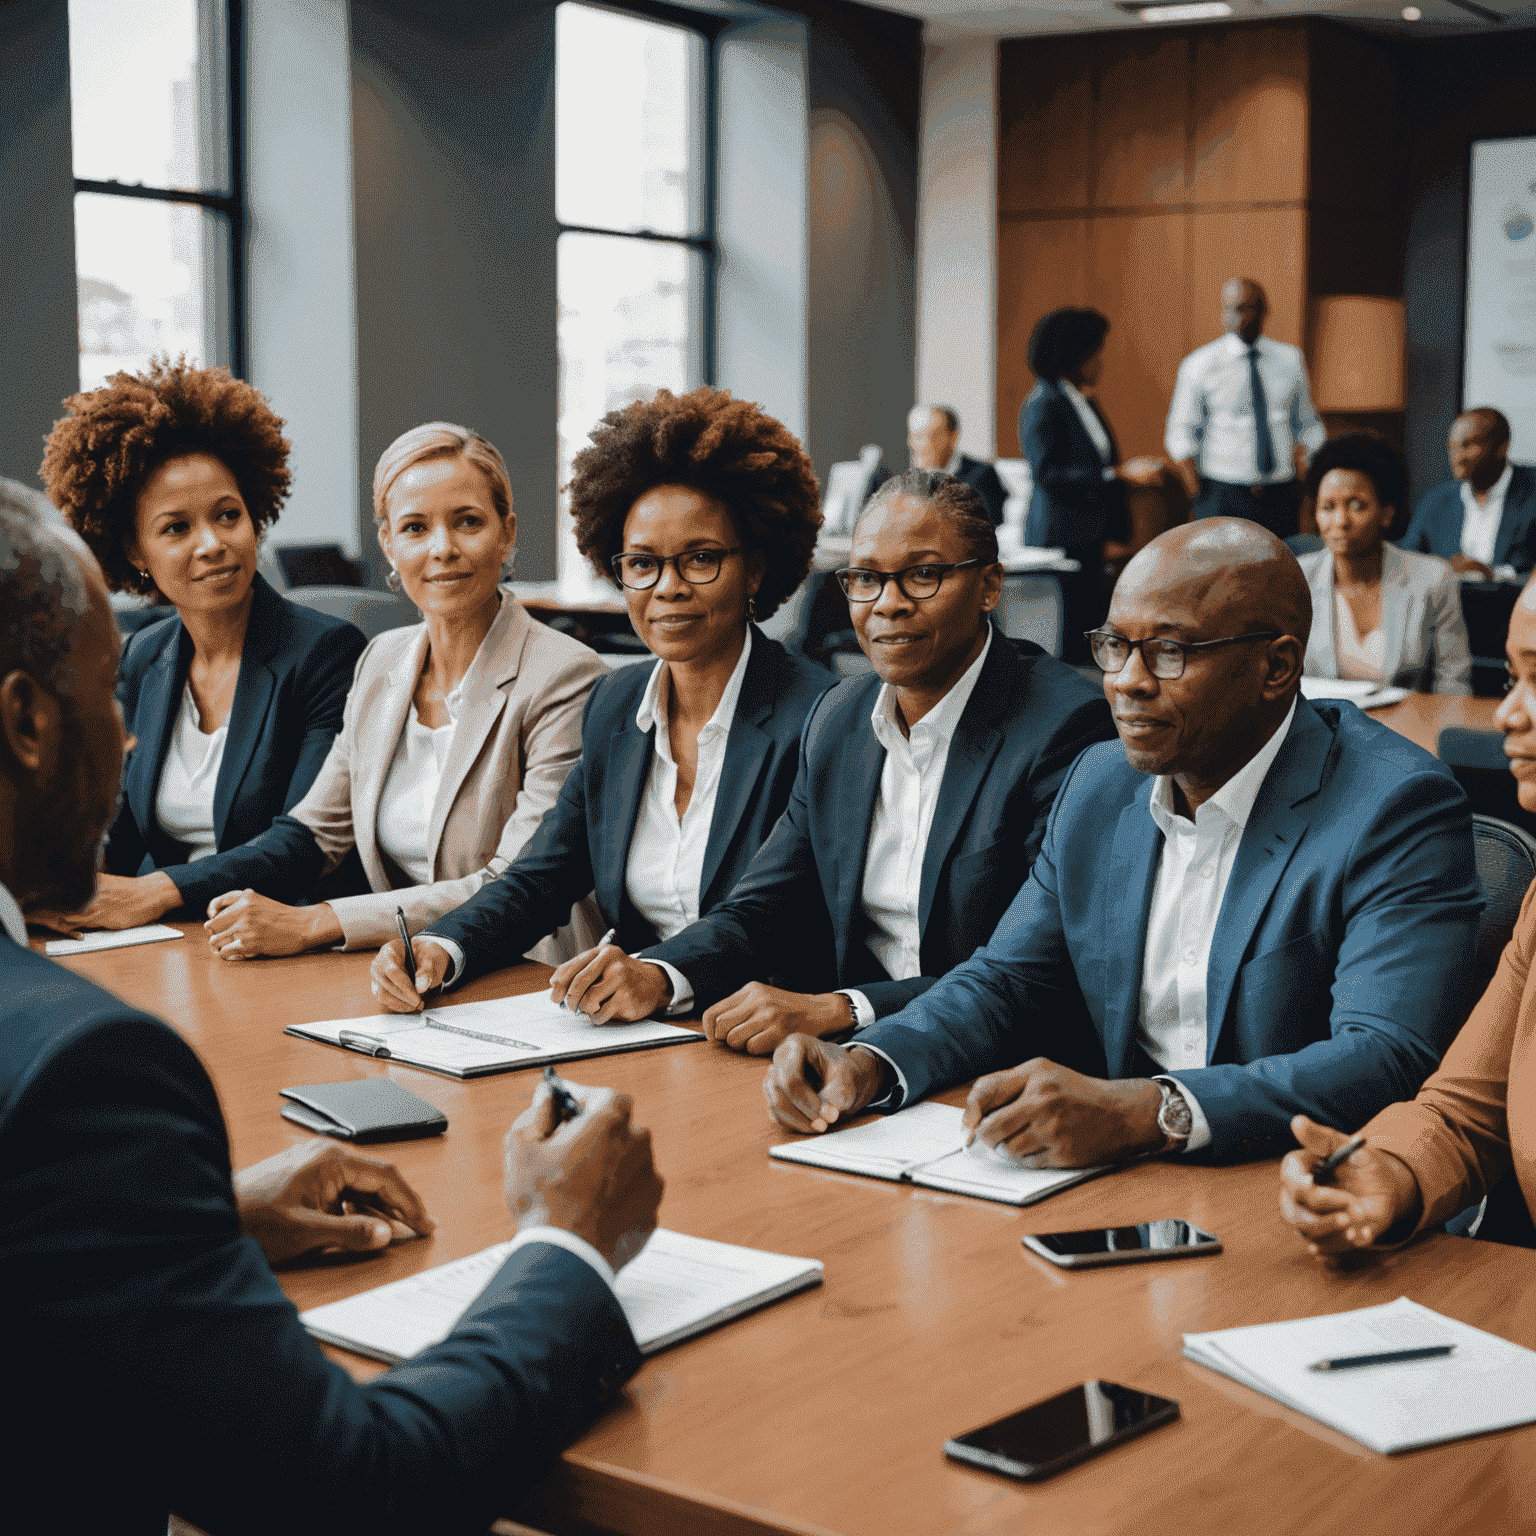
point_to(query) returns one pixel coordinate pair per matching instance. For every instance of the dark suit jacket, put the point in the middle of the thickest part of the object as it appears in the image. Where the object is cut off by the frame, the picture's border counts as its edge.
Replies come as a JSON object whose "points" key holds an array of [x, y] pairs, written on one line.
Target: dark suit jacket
{"points": [[1436, 525], [582, 844], [294, 675], [1072, 505], [803, 894], [148, 1338], [985, 481], [1337, 975]]}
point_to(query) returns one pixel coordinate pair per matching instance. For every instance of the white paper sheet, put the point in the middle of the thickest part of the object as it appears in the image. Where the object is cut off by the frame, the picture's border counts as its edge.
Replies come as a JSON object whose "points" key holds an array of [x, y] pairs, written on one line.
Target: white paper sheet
{"points": [[1367, 695], [110, 938]]}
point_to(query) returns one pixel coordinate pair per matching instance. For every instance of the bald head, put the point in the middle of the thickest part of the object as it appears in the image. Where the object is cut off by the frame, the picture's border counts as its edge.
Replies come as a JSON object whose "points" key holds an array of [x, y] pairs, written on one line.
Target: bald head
{"points": [[1478, 446], [1244, 305]]}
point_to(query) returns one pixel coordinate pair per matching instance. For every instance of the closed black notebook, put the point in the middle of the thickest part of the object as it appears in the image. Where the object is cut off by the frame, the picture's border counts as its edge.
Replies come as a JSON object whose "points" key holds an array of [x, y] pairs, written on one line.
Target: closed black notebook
{"points": [[370, 1109]]}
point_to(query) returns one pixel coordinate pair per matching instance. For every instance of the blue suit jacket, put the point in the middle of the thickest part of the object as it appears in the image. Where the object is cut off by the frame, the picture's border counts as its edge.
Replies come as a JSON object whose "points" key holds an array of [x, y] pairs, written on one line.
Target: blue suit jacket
{"points": [[802, 896], [1338, 973], [582, 845], [1436, 525], [1072, 504], [295, 672], [143, 1324]]}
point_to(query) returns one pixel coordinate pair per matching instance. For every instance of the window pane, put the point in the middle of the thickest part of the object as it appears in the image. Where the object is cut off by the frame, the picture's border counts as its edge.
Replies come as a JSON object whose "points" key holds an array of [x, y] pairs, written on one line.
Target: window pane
{"points": [[151, 279], [629, 112], [148, 97]]}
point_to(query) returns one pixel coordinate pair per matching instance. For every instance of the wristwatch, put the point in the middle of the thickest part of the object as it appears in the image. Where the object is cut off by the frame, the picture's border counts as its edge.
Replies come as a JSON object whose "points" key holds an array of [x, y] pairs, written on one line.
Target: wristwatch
{"points": [[1173, 1117]]}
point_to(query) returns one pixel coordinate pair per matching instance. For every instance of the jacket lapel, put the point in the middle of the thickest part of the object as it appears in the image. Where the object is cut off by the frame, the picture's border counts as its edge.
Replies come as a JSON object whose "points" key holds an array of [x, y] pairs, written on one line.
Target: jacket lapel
{"points": [[626, 770], [1127, 898], [1519, 509], [747, 750], [1395, 598], [254, 689], [154, 718]]}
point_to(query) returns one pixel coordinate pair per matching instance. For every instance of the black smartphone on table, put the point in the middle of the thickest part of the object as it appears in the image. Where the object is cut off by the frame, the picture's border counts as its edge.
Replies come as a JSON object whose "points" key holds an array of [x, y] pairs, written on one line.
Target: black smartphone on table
{"points": [[1166, 1239], [1042, 1440]]}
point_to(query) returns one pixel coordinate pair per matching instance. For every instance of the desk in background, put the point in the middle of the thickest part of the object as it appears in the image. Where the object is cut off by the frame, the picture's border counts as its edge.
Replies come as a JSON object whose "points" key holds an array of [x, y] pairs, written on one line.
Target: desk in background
{"points": [[828, 1412]]}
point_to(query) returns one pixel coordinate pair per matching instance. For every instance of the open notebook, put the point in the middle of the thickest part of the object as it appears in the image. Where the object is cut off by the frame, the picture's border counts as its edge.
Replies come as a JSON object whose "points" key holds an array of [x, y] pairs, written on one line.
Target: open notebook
{"points": [[925, 1145], [679, 1286], [472, 1039], [1486, 1383]]}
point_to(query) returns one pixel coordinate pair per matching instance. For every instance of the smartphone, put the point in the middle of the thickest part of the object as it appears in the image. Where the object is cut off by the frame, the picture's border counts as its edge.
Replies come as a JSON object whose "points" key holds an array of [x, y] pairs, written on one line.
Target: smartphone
{"points": [[1169, 1239], [1041, 1441]]}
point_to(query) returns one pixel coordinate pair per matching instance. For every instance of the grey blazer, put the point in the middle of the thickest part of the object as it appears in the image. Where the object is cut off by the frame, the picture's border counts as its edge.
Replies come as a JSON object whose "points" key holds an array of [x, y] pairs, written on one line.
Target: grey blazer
{"points": [[1425, 642]]}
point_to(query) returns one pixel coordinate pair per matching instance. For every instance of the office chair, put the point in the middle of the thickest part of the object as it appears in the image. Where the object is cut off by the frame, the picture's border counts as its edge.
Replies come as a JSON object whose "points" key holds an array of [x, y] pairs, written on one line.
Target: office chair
{"points": [[1303, 543], [1485, 609], [1481, 768]]}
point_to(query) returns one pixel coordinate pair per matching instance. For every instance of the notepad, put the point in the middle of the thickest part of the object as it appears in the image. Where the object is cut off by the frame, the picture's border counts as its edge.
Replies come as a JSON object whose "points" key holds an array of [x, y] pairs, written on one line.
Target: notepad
{"points": [[473, 1039], [110, 938], [679, 1286], [1368, 695], [926, 1145], [1487, 1383]]}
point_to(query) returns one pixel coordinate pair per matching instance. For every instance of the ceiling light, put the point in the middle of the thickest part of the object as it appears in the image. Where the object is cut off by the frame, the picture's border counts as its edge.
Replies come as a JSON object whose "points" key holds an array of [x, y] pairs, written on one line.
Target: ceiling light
{"points": [[1200, 10]]}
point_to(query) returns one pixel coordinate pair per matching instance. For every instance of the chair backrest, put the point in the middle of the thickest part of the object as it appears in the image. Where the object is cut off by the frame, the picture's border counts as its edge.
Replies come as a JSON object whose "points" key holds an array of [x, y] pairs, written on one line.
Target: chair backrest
{"points": [[372, 612], [1031, 608], [316, 565], [1506, 865], [1481, 768], [1303, 543]]}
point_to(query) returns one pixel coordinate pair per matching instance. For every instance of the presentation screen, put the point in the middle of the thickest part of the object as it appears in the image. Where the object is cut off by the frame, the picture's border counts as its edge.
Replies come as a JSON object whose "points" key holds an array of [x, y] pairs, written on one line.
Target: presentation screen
{"points": [[1501, 287]]}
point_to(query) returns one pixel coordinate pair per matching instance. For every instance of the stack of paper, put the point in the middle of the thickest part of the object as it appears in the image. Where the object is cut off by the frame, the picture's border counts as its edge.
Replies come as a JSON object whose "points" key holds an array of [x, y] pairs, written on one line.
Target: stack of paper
{"points": [[679, 1286], [1485, 1383], [110, 938], [1367, 695]]}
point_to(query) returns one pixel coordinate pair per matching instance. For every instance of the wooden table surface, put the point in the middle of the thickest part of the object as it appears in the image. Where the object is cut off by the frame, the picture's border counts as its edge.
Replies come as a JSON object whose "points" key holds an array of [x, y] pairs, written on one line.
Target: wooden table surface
{"points": [[828, 1412], [1422, 716]]}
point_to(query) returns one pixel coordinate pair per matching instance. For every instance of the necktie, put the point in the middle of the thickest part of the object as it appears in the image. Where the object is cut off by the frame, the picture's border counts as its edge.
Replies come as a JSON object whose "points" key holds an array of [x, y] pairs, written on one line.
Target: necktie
{"points": [[1263, 443]]}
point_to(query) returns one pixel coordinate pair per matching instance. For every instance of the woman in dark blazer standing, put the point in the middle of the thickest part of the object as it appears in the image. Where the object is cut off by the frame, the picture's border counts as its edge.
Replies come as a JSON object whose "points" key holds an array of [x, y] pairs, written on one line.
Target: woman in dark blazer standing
{"points": [[171, 477], [704, 512], [1078, 500]]}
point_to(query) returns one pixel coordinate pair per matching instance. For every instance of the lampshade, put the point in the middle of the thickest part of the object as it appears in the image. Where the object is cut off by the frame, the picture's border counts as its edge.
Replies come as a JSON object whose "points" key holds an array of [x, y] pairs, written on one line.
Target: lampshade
{"points": [[1357, 353]]}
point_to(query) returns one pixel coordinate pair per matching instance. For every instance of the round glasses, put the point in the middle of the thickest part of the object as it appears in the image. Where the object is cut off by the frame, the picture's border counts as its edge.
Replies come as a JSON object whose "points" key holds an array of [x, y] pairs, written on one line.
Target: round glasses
{"points": [[914, 581], [698, 567], [1162, 658]]}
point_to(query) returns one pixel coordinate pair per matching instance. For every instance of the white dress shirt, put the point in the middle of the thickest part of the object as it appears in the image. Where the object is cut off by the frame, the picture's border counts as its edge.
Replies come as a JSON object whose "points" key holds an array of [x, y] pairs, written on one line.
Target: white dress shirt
{"points": [[558, 1237], [1211, 418], [184, 798], [1480, 524], [1091, 424], [403, 822], [1360, 657], [11, 920]]}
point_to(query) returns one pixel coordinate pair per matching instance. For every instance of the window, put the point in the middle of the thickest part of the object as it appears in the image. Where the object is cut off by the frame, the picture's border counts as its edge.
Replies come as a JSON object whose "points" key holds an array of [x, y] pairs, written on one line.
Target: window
{"points": [[158, 213], [633, 180]]}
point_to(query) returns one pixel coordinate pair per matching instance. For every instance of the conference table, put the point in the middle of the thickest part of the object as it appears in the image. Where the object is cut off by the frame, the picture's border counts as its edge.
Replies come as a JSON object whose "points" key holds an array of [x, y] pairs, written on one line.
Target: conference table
{"points": [[827, 1412]]}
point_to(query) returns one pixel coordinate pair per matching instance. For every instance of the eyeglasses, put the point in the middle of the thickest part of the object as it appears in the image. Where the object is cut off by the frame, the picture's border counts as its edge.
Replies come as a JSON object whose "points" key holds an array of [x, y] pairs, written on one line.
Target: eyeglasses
{"points": [[698, 567], [915, 581], [1162, 658]]}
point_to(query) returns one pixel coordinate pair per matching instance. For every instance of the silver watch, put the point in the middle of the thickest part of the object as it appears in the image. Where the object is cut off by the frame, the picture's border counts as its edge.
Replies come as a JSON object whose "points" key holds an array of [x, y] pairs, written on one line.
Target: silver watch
{"points": [[1174, 1119]]}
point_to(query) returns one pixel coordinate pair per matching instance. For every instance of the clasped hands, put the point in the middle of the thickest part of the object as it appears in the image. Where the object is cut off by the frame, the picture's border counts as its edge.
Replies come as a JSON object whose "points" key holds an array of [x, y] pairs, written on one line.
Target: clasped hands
{"points": [[1371, 1193]]}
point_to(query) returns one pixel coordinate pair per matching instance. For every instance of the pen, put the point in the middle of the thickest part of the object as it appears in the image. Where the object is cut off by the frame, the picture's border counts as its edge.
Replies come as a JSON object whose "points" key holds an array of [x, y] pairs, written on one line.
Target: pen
{"points": [[1323, 1172], [405, 944], [566, 1102], [355, 1039], [1389, 1357], [607, 938]]}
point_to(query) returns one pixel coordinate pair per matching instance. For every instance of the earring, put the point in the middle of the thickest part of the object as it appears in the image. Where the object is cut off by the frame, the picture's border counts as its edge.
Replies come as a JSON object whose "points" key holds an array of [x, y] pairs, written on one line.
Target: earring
{"points": [[752, 609]]}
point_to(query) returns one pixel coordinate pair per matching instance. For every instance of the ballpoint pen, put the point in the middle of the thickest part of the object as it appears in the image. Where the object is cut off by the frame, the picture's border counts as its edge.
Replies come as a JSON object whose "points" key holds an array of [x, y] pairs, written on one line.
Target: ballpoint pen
{"points": [[567, 1105], [1385, 1357], [606, 939], [405, 944], [1323, 1172]]}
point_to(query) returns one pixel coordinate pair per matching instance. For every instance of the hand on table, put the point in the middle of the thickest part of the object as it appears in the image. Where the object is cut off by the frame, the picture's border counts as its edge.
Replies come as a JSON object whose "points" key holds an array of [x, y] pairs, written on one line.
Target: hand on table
{"points": [[758, 1018], [121, 901], [243, 924], [813, 1084], [1042, 1115], [1372, 1191], [1465, 565], [593, 1176], [322, 1195], [394, 988], [610, 987]]}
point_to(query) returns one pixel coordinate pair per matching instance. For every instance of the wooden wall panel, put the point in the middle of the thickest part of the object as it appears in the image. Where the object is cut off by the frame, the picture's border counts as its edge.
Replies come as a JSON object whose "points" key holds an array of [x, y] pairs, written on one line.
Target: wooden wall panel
{"points": [[1266, 244], [1141, 129], [1250, 120], [1045, 125]]}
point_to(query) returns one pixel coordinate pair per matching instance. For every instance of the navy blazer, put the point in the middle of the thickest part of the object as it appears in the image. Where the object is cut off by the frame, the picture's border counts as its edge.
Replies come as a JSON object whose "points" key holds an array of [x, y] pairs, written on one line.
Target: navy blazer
{"points": [[143, 1324], [295, 672], [582, 845], [1436, 525], [1337, 975], [1072, 503], [986, 482], [803, 895]]}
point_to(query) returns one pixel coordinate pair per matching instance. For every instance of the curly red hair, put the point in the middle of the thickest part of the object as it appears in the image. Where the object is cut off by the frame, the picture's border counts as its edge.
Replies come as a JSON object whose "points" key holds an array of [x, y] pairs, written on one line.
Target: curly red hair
{"points": [[99, 456], [729, 450]]}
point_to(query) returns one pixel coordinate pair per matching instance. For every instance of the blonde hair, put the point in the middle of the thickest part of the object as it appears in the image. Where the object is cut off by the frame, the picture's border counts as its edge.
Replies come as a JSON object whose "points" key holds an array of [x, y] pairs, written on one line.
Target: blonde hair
{"points": [[441, 440]]}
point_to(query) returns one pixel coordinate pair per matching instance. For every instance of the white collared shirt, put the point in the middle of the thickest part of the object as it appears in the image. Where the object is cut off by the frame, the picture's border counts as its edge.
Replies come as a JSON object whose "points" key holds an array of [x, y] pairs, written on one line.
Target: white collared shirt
{"points": [[1480, 524], [1210, 418], [184, 797], [1192, 875], [11, 920], [953, 467], [1091, 424], [403, 822]]}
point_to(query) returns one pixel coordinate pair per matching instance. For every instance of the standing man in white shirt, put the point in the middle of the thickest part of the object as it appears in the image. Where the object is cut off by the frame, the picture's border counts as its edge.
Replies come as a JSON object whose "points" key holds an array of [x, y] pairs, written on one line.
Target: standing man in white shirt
{"points": [[1241, 425]]}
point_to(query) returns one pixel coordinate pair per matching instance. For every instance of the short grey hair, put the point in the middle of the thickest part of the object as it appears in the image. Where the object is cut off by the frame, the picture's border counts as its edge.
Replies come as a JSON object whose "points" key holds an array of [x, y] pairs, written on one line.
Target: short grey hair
{"points": [[44, 594]]}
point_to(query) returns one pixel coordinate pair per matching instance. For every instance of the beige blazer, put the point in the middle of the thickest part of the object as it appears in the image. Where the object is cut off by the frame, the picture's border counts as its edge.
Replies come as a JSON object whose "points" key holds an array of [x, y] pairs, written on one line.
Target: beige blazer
{"points": [[517, 735], [1424, 642]]}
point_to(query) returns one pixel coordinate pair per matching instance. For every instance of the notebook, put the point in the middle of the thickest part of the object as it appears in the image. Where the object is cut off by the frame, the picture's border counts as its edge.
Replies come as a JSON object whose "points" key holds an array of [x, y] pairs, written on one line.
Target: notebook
{"points": [[1487, 1383], [677, 1287], [472, 1039], [110, 938], [925, 1145], [1367, 695]]}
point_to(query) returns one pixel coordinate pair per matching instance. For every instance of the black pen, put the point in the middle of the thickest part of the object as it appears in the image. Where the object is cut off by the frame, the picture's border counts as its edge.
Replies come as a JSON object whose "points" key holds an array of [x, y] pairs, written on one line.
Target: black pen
{"points": [[1323, 1172], [405, 944], [1389, 1357], [566, 1103]]}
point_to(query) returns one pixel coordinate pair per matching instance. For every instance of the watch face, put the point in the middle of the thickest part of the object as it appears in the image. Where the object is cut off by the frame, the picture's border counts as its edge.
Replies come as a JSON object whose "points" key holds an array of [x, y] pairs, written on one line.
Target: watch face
{"points": [[1174, 1118]]}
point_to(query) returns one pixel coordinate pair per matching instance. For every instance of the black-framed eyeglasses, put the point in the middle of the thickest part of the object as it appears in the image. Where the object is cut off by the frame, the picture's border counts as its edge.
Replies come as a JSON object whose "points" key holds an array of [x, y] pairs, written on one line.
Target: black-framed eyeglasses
{"points": [[698, 567], [1162, 658], [914, 581]]}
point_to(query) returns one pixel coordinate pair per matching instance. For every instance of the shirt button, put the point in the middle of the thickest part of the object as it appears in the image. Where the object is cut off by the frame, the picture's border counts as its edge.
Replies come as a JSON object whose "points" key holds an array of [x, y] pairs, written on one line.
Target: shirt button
{"points": [[1207, 871], [1189, 957]]}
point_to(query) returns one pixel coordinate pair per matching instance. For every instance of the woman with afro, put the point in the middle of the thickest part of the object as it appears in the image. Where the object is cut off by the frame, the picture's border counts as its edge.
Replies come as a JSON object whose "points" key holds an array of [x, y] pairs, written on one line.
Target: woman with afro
{"points": [[172, 477], [704, 512]]}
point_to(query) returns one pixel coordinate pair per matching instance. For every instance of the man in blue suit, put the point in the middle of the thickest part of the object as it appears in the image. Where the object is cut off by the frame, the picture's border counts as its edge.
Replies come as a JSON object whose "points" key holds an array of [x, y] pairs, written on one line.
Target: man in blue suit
{"points": [[144, 1321], [1253, 907], [1484, 520]]}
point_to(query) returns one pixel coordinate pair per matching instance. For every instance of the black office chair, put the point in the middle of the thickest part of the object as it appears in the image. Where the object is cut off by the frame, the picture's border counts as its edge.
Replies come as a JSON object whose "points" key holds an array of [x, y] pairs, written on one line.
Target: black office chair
{"points": [[1481, 768], [1303, 543], [1485, 610]]}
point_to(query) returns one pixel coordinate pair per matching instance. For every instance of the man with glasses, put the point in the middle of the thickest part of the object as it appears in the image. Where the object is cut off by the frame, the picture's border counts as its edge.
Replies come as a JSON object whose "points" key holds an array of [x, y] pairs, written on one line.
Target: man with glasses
{"points": [[922, 792], [1253, 907]]}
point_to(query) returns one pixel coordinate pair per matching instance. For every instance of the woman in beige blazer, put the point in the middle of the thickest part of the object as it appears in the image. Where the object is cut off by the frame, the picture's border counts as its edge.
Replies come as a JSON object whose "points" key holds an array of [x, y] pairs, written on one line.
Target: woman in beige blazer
{"points": [[1379, 613], [456, 737]]}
